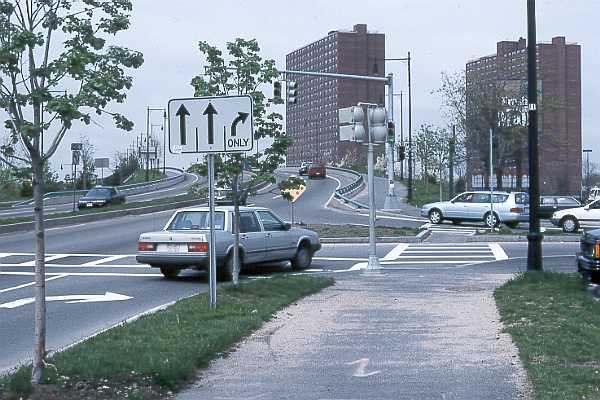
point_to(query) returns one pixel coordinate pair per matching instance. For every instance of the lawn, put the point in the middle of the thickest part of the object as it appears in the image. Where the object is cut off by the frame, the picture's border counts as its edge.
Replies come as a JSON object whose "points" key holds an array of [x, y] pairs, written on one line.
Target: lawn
{"points": [[157, 353], [556, 326], [341, 231]]}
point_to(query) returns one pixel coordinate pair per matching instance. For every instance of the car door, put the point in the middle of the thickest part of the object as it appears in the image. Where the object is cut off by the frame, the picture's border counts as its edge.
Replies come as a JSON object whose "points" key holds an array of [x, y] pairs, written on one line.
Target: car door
{"points": [[479, 206], [457, 208], [548, 207], [591, 214], [281, 243], [252, 238]]}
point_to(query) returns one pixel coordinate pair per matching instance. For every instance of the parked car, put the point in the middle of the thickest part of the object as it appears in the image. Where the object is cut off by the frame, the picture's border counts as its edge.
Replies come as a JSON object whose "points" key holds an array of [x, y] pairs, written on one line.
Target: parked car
{"points": [[303, 170], [101, 196], [571, 220], [594, 194], [183, 242], [588, 259], [317, 170], [509, 208], [551, 204], [224, 196]]}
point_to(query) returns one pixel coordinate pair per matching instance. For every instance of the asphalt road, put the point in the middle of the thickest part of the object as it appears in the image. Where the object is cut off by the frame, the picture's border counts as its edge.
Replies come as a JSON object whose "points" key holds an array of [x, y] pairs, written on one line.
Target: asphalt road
{"points": [[95, 258]]}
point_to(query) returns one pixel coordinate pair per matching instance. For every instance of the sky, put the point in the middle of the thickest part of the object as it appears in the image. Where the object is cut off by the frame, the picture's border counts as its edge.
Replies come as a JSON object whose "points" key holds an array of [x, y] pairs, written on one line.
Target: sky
{"points": [[442, 35]]}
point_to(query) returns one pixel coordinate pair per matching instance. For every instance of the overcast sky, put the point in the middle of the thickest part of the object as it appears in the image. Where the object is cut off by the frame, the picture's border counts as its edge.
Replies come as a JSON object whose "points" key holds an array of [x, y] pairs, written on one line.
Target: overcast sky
{"points": [[442, 35]]}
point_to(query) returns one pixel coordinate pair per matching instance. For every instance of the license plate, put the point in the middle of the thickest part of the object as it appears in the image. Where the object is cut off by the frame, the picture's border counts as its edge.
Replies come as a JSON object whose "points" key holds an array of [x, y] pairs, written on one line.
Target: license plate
{"points": [[89, 205], [172, 248]]}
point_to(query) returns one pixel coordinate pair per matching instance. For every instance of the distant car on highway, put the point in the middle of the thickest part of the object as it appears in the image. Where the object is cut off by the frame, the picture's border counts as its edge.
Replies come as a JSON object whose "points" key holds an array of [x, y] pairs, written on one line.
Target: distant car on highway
{"points": [[317, 170], [264, 237], [303, 170], [588, 259], [551, 204], [571, 220], [594, 194], [101, 196], [224, 197], [509, 208]]}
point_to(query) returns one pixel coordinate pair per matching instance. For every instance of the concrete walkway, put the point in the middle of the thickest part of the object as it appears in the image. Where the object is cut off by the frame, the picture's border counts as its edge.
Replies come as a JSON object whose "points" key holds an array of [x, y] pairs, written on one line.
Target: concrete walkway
{"points": [[408, 334]]}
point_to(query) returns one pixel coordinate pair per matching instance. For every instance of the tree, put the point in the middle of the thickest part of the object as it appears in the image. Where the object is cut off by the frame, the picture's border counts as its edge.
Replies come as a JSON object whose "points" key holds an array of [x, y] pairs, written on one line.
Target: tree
{"points": [[45, 47], [433, 151], [243, 74], [87, 161], [289, 189]]}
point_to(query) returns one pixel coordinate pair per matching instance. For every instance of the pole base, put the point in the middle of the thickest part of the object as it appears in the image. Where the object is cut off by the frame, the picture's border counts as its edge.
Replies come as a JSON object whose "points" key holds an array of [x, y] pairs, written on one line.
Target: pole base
{"points": [[373, 265], [392, 202]]}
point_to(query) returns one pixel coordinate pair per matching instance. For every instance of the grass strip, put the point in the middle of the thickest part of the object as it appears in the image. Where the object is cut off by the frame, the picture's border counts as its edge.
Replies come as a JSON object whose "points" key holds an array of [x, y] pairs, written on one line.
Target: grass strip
{"points": [[157, 353], [116, 207], [348, 230], [555, 325]]}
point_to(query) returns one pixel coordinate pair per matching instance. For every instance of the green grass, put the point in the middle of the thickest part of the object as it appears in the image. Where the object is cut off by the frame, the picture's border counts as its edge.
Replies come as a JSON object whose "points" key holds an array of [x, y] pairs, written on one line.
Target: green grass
{"points": [[556, 327], [84, 211], [424, 193], [166, 349], [340, 231], [139, 176]]}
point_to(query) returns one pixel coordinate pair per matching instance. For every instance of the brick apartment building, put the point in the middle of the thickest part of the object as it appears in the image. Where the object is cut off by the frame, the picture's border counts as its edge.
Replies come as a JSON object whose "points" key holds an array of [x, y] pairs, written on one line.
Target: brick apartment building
{"points": [[313, 121], [559, 85]]}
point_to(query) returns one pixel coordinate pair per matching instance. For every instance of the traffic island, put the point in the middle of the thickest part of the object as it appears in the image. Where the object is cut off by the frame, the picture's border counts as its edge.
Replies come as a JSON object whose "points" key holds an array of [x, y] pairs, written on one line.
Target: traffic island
{"points": [[554, 323], [154, 356]]}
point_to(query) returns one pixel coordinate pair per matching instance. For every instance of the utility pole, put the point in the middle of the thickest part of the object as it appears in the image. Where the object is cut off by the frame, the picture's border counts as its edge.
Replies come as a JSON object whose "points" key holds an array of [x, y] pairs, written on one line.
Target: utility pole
{"points": [[534, 250], [587, 171], [401, 135], [451, 150]]}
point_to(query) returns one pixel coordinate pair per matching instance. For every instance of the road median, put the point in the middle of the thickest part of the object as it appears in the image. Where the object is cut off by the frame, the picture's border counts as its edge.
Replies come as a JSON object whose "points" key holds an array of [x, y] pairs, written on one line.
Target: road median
{"points": [[155, 355]]}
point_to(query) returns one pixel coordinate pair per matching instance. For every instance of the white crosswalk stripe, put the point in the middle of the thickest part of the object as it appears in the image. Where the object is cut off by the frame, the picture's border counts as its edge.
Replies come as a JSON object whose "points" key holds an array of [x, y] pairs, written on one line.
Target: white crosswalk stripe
{"points": [[444, 254], [443, 229]]}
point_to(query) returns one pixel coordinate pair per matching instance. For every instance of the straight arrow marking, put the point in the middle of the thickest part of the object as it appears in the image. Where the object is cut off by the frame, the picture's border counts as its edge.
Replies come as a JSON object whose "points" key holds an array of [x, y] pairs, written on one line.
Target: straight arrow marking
{"points": [[242, 116], [71, 299], [182, 113], [211, 112]]}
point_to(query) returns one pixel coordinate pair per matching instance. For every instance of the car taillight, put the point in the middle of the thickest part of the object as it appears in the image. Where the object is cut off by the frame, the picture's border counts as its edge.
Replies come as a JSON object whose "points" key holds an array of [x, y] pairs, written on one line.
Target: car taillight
{"points": [[597, 250], [201, 247], [516, 210], [142, 246]]}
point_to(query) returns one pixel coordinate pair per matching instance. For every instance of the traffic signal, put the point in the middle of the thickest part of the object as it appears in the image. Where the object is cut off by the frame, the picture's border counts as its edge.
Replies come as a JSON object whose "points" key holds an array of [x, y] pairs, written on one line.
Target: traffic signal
{"points": [[378, 125], [401, 153], [391, 133], [292, 92], [277, 92], [353, 126]]}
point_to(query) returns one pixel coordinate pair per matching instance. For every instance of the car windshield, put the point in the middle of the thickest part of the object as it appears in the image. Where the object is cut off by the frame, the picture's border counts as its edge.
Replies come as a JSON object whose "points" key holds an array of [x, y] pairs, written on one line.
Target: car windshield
{"points": [[98, 192], [196, 220]]}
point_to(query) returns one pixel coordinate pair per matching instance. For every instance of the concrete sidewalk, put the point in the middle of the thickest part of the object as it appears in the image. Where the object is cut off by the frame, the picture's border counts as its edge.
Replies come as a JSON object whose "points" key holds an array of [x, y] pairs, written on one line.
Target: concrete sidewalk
{"points": [[408, 334]]}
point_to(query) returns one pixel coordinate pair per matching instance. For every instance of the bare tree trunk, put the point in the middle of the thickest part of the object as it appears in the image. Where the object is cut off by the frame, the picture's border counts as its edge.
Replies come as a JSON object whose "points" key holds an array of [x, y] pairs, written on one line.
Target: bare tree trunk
{"points": [[236, 232], [40, 283]]}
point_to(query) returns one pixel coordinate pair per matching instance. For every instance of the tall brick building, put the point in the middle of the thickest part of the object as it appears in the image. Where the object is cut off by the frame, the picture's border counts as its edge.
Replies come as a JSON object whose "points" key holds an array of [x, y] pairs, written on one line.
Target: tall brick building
{"points": [[313, 121], [559, 85]]}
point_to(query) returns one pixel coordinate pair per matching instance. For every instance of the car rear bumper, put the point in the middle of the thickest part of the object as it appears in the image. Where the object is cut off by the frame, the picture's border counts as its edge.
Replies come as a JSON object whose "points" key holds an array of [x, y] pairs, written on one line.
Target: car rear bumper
{"points": [[514, 217], [181, 260], [585, 264]]}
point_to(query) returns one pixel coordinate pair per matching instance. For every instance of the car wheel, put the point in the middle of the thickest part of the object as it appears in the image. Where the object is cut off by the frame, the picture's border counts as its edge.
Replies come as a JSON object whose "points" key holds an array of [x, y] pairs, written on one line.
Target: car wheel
{"points": [[512, 225], [491, 220], [169, 273], [435, 216], [302, 259], [570, 224]]}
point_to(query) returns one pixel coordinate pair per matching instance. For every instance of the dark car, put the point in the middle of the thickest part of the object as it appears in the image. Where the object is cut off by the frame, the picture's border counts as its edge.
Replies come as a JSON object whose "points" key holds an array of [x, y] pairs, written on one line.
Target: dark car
{"points": [[317, 170], [101, 196], [303, 170], [550, 204], [588, 259]]}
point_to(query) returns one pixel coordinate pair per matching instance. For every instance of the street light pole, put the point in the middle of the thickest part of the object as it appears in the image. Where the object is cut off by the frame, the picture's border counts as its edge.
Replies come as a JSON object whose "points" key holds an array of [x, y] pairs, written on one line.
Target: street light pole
{"points": [[534, 250], [587, 170]]}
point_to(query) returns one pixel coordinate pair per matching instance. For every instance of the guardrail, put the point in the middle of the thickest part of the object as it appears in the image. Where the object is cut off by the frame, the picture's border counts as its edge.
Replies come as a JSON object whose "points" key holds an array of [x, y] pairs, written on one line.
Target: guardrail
{"points": [[341, 192], [127, 189]]}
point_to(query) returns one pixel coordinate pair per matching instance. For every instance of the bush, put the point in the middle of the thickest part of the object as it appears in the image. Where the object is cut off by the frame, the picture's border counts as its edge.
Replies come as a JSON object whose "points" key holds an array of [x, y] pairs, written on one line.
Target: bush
{"points": [[26, 189]]}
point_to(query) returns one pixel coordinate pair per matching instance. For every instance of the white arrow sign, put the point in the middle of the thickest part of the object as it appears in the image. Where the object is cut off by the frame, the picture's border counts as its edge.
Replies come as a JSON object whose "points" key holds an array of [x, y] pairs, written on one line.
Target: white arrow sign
{"points": [[220, 124], [71, 299]]}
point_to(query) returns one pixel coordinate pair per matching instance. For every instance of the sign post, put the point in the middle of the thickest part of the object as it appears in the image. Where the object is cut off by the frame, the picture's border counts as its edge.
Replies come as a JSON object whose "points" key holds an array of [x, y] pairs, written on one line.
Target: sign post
{"points": [[211, 125], [102, 163]]}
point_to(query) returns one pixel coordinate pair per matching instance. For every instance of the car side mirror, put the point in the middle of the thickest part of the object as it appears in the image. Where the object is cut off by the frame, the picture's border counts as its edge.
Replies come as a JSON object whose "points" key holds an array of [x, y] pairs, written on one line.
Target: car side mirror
{"points": [[287, 226]]}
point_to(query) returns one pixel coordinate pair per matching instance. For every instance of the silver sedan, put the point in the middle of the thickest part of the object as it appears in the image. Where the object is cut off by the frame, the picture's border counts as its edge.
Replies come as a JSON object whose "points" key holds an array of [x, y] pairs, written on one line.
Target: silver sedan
{"points": [[183, 242]]}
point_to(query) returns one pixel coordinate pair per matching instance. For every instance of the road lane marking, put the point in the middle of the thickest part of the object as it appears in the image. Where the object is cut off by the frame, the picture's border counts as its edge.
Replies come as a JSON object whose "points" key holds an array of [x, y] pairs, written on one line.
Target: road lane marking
{"points": [[67, 274], [361, 368], [71, 299], [277, 197], [47, 259], [498, 252], [101, 266], [103, 260], [32, 283], [445, 251], [396, 251], [339, 258]]}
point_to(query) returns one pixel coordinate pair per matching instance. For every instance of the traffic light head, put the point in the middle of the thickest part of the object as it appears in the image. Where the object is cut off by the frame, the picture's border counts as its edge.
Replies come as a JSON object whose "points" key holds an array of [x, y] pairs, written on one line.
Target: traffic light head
{"points": [[292, 92], [277, 92], [378, 125], [401, 153], [391, 132]]}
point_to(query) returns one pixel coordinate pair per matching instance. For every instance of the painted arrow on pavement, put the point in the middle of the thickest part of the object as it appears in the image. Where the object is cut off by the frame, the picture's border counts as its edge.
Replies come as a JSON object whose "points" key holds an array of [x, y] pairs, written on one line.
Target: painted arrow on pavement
{"points": [[71, 299]]}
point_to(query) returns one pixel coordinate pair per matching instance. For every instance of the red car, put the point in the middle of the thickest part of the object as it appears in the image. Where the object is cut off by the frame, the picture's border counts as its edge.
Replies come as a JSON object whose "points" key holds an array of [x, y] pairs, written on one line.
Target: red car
{"points": [[316, 170]]}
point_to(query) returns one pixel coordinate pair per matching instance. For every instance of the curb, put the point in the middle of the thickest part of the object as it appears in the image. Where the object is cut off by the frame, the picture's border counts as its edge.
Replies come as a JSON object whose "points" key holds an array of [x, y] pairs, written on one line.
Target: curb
{"points": [[521, 238], [385, 239], [79, 219]]}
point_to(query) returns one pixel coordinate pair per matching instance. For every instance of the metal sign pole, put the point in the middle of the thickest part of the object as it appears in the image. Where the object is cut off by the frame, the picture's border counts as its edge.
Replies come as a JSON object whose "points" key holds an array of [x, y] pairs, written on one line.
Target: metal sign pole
{"points": [[373, 264], [212, 244]]}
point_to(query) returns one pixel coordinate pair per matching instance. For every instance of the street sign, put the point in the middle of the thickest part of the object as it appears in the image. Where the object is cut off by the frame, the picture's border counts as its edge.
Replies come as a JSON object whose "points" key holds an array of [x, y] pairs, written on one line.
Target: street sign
{"points": [[102, 163], [211, 125], [76, 146]]}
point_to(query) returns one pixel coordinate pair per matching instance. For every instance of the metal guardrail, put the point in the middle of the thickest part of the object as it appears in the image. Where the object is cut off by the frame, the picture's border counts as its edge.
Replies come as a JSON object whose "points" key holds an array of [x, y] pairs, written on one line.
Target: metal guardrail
{"points": [[124, 188], [340, 192]]}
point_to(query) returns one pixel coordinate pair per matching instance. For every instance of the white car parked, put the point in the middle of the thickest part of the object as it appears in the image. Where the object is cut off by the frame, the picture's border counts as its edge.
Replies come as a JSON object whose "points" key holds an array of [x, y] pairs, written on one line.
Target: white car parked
{"points": [[570, 220]]}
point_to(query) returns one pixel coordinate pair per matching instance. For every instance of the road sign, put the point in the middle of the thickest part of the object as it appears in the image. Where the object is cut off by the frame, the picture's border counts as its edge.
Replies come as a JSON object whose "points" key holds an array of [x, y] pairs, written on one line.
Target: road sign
{"points": [[211, 125], [76, 146], [102, 163]]}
